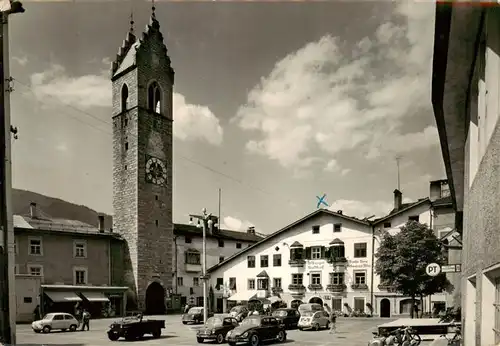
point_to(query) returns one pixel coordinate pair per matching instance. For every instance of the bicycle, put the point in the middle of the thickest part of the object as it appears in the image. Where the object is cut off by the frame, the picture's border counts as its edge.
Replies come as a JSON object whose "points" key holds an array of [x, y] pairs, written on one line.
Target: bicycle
{"points": [[456, 340], [404, 336]]}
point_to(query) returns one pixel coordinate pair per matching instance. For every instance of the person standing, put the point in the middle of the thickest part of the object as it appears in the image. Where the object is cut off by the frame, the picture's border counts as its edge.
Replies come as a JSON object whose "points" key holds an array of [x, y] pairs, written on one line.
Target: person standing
{"points": [[186, 308], [86, 320], [333, 322]]}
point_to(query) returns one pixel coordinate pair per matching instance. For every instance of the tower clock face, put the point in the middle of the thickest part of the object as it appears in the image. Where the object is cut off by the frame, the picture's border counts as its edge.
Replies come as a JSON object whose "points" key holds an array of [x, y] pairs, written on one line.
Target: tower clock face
{"points": [[156, 171]]}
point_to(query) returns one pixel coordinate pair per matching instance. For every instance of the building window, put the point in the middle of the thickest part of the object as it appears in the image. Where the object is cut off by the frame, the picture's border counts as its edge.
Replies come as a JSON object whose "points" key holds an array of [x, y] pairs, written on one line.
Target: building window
{"points": [[315, 229], [232, 283], [15, 245], [238, 245], [124, 97], [192, 257], [337, 227], [360, 278], [80, 249], [277, 282], [28, 300], [263, 284], [251, 284], [315, 278], [125, 121], [413, 218], [154, 98], [264, 261], [337, 304], [188, 239], [277, 260], [316, 252], [126, 145], [387, 225], [360, 250], [359, 304], [35, 269], [199, 301], [180, 281], [221, 243], [35, 247], [157, 223], [219, 283], [336, 278], [80, 276], [297, 279], [251, 261], [196, 282], [445, 190], [221, 259]]}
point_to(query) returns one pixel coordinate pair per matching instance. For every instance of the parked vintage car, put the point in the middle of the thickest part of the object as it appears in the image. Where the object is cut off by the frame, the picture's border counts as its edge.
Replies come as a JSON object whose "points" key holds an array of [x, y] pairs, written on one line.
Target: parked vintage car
{"points": [[239, 312], [55, 321], [216, 328], [314, 320], [289, 317], [132, 328], [256, 328], [194, 315]]}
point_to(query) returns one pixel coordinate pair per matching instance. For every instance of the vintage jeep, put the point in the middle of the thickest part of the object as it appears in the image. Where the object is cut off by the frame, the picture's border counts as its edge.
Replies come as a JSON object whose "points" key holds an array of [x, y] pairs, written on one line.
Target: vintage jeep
{"points": [[133, 328]]}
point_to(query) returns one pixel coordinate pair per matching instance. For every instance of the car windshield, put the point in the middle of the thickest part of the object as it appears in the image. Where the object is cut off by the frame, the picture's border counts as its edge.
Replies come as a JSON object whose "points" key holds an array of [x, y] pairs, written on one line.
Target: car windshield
{"points": [[280, 313], [48, 317], [307, 313], [214, 322], [195, 310], [236, 309], [250, 322]]}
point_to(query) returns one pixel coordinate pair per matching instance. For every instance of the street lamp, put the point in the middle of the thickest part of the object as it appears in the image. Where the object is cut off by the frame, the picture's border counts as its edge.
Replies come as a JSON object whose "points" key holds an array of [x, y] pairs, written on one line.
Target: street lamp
{"points": [[7, 275], [206, 221]]}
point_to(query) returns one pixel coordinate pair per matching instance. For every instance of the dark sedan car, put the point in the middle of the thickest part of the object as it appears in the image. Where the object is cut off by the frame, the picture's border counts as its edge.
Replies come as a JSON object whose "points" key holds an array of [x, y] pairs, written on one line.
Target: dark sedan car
{"points": [[216, 328], [254, 329], [194, 315], [289, 317]]}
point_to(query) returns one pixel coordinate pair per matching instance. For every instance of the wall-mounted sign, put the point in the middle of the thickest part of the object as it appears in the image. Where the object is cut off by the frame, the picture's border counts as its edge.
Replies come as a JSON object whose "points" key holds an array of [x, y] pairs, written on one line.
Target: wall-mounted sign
{"points": [[315, 265], [327, 297], [358, 263]]}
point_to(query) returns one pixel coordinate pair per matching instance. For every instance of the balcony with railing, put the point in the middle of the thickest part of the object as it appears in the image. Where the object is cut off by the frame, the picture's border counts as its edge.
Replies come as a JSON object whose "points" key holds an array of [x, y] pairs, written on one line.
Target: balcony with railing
{"points": [[359, 286], [336, 287], [297, 255]]}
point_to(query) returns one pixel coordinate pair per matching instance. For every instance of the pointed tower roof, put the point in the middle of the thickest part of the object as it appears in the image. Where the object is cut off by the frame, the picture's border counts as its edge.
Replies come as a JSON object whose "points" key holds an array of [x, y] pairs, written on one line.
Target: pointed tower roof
{"points": [[126, 57]]}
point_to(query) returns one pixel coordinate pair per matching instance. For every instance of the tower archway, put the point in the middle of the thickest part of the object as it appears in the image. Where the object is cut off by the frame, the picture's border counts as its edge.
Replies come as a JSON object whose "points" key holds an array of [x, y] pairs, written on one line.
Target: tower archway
{"points": [[385, 308], [155, 299]]}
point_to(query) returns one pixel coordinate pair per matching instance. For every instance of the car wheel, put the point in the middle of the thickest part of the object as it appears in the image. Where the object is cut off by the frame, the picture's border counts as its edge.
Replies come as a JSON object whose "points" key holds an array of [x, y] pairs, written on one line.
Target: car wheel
{"points": [[232, 344], [200, 340], [156, 333], [46, 329], [113, 336], [281, 336], [301, 329], [72, 328], [184, 322], [37, 331], [254, 340], [316, 327], [220, 338], [63, 330], [327, 325]]}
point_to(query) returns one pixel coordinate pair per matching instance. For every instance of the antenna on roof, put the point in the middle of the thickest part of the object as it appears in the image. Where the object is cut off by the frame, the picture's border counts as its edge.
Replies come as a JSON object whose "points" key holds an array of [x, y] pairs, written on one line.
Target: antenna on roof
{"points": [[398, 158]]}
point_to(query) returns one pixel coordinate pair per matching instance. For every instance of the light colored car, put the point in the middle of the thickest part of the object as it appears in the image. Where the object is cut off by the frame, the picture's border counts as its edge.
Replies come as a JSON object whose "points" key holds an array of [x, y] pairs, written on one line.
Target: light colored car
{"points": [[314, 320], [55, 321]]}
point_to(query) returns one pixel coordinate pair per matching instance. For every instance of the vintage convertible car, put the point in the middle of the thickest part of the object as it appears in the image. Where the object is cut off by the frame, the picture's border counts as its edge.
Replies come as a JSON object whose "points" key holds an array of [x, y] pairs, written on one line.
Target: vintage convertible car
{"points": [[254, 329], [216, 328], [132, 328]]}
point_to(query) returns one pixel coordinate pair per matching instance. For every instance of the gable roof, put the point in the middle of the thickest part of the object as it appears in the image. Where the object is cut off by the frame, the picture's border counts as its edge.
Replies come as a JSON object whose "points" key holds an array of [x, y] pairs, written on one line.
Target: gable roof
{"points": [[193, 231], [286, 228], [404, 208]]}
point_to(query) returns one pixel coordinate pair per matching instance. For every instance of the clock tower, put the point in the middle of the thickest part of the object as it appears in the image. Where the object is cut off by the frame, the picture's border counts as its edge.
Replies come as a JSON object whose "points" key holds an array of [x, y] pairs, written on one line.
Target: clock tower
{"points": [[142, 81]]}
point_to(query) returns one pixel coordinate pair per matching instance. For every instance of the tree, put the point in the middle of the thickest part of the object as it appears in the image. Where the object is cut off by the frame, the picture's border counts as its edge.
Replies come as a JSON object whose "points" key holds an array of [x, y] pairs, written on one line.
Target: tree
{"points": [[403, 257]]}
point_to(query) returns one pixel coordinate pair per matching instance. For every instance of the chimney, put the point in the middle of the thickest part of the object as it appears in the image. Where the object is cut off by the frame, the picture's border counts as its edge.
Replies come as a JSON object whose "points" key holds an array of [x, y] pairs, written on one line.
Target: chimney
{"points": [[100, 224], [398, 199], [251, 230], [339, 212], [435, 190], [33, 210]]}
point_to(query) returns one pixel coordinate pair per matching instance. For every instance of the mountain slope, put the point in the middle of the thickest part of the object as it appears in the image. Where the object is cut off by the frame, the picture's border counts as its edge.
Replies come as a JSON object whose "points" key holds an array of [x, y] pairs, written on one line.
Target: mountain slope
{"points": [[55, 208]]}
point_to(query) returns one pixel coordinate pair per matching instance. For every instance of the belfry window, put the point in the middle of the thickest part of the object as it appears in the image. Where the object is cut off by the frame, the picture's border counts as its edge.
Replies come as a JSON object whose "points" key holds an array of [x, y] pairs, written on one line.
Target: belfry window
{"points": [[154, 98], [124, 97]]}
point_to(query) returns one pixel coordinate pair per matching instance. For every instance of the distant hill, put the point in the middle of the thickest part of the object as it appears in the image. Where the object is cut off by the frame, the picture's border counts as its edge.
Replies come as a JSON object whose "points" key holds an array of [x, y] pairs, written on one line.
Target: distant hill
{"points": [[55, 208]]}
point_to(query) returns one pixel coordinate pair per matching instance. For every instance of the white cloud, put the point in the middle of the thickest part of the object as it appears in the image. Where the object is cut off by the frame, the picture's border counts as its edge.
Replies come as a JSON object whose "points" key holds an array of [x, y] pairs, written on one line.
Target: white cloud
{"points": [[319, 98], [236, 224], [361, 209], [345, 171], [23, 61], [54, 86]]}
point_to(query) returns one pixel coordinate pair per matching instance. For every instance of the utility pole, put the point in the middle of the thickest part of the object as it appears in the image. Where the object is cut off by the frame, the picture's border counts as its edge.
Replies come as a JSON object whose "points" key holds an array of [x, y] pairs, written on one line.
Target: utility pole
{"points": [[206, 222], [7, 255]]}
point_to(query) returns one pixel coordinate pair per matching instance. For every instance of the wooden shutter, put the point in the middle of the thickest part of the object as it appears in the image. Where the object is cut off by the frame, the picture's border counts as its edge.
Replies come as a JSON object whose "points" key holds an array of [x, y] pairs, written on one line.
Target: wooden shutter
{"points": [[341, 251], [323, 252], [328, 252], [308, 253]]}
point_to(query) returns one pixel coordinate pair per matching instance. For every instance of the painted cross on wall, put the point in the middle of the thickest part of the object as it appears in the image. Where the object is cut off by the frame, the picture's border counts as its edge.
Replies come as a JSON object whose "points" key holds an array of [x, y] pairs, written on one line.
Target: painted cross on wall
{"points": [[321, 201]]}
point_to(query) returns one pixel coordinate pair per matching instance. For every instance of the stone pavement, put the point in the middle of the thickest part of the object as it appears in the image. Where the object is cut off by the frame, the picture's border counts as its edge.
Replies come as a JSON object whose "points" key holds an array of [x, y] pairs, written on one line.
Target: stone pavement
{"points": [[351, 332]]}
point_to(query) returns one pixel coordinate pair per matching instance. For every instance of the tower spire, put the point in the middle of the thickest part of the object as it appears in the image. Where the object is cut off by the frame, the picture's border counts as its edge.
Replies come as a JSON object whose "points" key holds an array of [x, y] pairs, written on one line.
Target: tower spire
{"points": [[132, 22], [153, 9]]}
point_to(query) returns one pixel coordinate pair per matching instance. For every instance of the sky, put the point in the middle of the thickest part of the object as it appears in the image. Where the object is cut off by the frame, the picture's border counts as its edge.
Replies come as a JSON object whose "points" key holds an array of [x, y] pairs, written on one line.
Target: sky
{"points": [[275, 103]]}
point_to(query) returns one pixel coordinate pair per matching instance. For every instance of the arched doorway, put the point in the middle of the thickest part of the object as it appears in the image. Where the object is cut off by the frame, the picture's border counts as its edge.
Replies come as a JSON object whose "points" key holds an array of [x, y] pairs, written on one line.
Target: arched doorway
{"points": [[405, 306], [294, 304], [316, 300], [155, 299], [385, 308]]}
